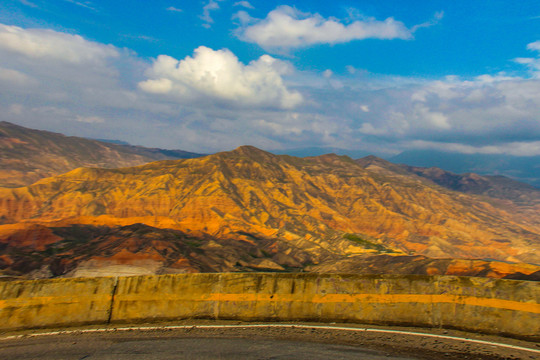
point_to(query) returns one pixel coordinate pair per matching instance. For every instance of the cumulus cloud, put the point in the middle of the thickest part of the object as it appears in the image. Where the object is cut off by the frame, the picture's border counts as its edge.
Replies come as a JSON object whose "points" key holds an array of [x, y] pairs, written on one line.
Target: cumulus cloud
{"points": [[286, 28], [488, 113], [199, 102], [219, 75], [57, 46]]}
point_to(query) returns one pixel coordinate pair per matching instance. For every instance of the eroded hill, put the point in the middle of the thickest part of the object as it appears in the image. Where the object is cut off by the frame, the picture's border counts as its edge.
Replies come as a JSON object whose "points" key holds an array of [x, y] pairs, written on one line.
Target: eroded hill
{"points": [[321, 211]]}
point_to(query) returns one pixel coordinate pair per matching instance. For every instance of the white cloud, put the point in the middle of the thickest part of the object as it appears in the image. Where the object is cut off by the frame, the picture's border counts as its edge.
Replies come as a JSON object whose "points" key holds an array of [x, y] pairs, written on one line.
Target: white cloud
{"points": [[429, 118], [526, 148], [219, 75], [48, 44], [434, 21], [278, 128], [17, 78], [245, 4], [328, 73], [212, 5], [286, 27], [369, 129], [16, 109], [535, 46], [532, 63], [199, 102], [174, 9], [28, 3], [90, 119], [85, 4], [243, 17]]}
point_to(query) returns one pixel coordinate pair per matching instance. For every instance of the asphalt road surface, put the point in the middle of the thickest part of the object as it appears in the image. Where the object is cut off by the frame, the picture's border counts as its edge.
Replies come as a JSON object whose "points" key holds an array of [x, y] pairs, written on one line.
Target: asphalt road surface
{"points": [[245, 342]]}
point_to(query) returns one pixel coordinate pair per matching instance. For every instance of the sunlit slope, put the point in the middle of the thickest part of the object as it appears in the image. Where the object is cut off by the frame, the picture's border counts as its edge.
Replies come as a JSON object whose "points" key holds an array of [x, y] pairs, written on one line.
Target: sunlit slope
{"points": [[310, 203]]}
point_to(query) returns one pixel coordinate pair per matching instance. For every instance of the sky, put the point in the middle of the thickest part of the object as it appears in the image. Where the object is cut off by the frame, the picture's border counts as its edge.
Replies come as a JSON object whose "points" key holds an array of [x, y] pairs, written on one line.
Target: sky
{"points": [[211, 75]]}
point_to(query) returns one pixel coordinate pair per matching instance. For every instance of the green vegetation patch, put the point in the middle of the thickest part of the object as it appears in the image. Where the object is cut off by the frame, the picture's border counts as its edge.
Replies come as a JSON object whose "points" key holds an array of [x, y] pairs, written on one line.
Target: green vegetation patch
{"points": [[366, 244]]}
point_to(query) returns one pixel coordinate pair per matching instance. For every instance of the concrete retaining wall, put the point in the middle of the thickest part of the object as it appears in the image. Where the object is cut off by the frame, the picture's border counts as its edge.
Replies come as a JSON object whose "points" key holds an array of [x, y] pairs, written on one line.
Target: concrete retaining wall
{"points": [[42, 303], [476, 304]]}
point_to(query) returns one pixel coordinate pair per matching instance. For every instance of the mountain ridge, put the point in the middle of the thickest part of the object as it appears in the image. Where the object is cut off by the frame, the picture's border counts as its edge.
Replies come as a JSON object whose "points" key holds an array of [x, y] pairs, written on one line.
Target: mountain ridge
{"points": [[28, 155], [521, 168], [495, 186], [320, 210], [251, 210]]}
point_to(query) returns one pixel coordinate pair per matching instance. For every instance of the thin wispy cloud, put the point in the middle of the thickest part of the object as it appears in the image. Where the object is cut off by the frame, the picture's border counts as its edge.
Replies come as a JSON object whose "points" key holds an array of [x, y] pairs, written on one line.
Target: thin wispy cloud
{"points": [[28, 3], [245, 4], [174, 9], [532, 63], [85, 4], [434, 21], [210, 6]]}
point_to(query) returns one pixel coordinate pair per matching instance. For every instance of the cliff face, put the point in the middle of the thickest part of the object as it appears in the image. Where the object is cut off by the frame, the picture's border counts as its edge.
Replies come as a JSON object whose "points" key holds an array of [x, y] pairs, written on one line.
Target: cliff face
{"points": [[28, 155], [327, 207]]}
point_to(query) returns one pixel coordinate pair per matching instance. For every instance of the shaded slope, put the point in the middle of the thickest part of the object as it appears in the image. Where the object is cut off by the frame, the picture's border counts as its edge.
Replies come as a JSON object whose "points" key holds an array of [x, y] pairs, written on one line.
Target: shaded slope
{"points": [[86, 250], [138, 249]]}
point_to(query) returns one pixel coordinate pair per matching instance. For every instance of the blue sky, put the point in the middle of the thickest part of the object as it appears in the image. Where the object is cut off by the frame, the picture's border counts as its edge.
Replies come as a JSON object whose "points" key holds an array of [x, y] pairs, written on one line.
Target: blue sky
{"points": [[379, 76]]}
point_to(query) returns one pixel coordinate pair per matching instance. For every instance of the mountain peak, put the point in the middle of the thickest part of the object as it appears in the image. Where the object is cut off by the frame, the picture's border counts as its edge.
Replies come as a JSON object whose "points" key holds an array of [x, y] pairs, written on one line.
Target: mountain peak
{"points": [[252, 152], [244, 149]]}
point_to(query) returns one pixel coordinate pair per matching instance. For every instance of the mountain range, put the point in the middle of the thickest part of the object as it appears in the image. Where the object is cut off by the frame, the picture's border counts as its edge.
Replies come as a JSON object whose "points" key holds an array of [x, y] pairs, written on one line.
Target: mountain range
{"points": [[521, 168], [251, 210], [27, 155]]}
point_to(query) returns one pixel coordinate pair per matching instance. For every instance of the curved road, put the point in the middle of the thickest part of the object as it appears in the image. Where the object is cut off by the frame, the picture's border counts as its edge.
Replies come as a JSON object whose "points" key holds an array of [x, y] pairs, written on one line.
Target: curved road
{"points": [[268, 341]]}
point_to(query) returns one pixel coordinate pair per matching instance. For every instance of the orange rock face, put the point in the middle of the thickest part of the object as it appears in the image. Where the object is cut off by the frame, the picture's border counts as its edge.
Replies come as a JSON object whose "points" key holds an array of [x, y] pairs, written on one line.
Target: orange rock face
{"points": [[307, 206]]}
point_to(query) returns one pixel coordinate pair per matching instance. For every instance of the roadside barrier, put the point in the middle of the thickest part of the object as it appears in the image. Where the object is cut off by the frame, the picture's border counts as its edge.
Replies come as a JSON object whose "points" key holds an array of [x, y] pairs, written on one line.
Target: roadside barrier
{"points": [[505, 307]]}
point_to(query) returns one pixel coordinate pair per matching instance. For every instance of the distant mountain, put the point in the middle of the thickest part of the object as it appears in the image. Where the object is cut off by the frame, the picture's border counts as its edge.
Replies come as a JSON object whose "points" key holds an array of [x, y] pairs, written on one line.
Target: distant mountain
{"points": [[497, 187], [318, 151], [522, 168], [28, 155], [112, 141], [250, 209]]}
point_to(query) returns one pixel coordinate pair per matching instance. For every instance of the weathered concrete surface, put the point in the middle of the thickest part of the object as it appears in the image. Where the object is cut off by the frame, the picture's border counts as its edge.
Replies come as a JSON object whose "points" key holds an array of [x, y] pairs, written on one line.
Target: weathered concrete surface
{"points": [[55, 302], [475, 304]]}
